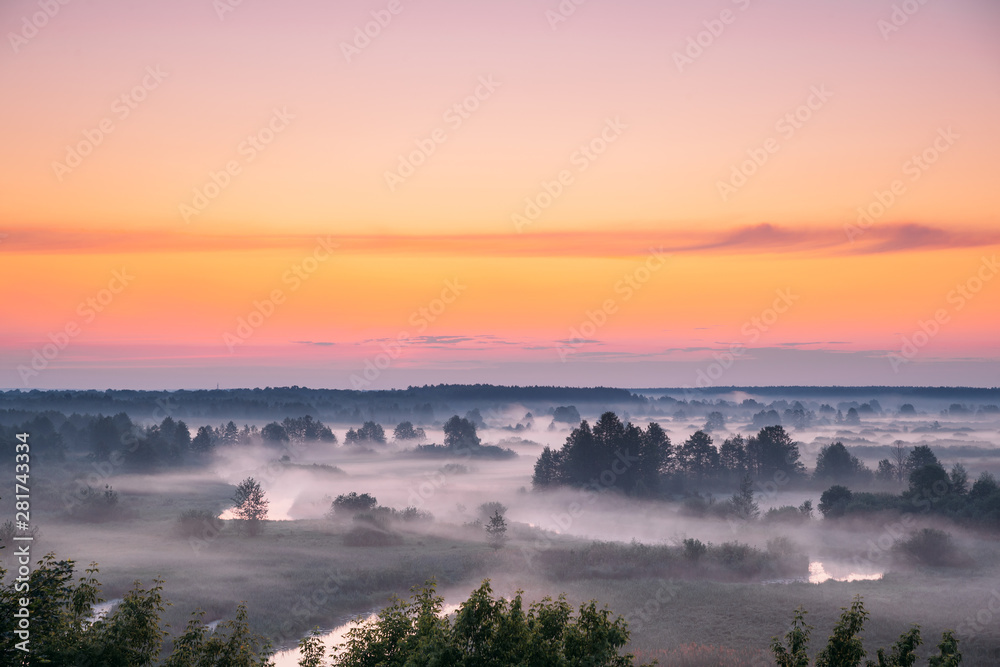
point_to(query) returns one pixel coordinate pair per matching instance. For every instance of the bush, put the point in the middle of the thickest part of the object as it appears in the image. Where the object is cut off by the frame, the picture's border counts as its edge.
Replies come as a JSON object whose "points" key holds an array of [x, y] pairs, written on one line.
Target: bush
{"points": [[928, 546], [196, 523], [785, 514], [368, 535], [96, 506], [349, 504], [694, 549], [833, 502], [487, 510]]}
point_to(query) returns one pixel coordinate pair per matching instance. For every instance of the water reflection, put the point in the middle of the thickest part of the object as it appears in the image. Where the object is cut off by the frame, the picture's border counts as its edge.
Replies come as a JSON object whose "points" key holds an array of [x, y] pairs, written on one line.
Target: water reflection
{"points": [[818, 574]]}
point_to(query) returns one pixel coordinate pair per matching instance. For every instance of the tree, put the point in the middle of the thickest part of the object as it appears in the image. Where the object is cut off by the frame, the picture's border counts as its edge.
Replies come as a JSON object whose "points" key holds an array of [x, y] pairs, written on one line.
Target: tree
{"points": [[920, 456], [251, 505], [546, 473], [655, 453], [959, 479], [460, 433], [796, 653], [716, 421], [274, 433], [743, 502], [852, 418], [312, 649], [899, 457], [835, 463], [405, 431], [833, 502], [698, 456], [496, 529], [204, 441], [886, 471], [232, 644], [771, 451], [844, 648], [369, 433], [349, 504], [733, 455], [929, 481], [567, 414], [903, 651], [486, 631], [948, 653]]}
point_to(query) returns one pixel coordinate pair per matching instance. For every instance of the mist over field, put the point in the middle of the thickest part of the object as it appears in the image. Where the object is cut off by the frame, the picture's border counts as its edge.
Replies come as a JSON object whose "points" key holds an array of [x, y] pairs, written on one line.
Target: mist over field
{"points": [[662, 557]]}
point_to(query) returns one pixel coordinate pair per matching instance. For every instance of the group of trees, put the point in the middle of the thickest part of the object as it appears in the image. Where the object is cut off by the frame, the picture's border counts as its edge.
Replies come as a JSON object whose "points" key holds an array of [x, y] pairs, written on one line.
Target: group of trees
{"points": [[931, 488], [638, 461], [844, 648], [487, 631]]}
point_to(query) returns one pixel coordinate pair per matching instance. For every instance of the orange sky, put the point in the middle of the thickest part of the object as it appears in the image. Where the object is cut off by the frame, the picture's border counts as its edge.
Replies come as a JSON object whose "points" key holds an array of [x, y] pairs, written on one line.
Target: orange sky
{"points": [[581, 195]]}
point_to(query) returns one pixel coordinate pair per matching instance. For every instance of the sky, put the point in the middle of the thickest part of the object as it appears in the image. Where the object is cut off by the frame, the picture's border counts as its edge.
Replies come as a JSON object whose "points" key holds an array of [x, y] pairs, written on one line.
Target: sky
{"points": [[382, 193]]}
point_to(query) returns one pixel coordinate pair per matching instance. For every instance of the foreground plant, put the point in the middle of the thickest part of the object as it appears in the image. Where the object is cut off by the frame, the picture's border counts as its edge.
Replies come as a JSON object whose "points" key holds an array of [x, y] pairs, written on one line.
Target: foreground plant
{"points": [[844, 647]]}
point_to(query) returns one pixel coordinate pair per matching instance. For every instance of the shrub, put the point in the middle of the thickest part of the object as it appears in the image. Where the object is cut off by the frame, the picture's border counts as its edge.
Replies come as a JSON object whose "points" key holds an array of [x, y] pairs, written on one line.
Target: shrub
{"points": [[195, 523], [349, 504], [368, 535], [97, 506], [928, 546], [694, 549]]}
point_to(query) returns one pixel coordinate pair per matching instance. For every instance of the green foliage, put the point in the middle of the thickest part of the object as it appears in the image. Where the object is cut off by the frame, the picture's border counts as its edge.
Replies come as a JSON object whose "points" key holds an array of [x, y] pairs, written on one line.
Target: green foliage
{"points": [[743, 502], [250, 505], [496, 529], [63, 631], [694, 549], [928, 546], [903, 651], [370, 433], [487, 632], [231, 645], [97, 506], [835, 463], [349, 504], [312, 650], [795, 654], [844, 648], [833, 502], [948, 653]]}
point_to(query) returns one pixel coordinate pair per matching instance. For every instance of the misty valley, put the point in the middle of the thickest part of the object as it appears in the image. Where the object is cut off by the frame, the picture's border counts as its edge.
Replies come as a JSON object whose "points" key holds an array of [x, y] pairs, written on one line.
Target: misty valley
{"points": [[492, 525]]}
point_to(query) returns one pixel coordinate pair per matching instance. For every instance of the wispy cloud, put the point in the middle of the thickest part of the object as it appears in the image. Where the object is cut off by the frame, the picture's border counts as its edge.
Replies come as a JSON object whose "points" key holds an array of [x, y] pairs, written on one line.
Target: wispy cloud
{"points": [[754, 239]]}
